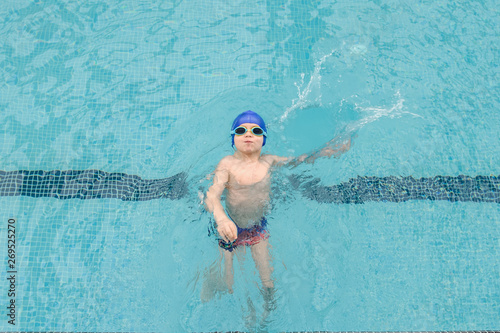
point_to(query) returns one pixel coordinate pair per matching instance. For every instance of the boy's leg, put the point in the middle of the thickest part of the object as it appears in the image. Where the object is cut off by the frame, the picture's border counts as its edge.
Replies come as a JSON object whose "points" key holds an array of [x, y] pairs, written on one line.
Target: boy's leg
{"points": [[213, 279], [228, 269], [262, 258]]}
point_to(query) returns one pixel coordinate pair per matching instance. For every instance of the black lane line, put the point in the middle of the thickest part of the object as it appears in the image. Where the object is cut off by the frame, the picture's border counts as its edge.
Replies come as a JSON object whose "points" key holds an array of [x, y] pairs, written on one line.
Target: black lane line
{"points": [[399, 189], [96, 184], [90, 184]]}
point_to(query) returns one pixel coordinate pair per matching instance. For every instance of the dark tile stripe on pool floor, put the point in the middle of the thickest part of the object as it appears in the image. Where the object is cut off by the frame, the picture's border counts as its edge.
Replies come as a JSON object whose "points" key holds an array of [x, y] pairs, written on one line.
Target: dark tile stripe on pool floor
{"points": [[90, 184], [96, 184], [399, 189]]}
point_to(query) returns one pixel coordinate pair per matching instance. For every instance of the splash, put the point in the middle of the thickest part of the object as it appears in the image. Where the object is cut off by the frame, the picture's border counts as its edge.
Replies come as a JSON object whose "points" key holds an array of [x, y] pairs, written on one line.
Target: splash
{"points": [[309, 94], [375, 113], [304, 94]]}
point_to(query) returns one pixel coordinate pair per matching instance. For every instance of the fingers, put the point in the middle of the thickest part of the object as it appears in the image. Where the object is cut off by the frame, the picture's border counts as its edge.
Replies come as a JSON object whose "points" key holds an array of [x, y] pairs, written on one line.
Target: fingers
{"points": [[226, 237], [233, 233], [229, 238], [228, 232], [224, 234]]}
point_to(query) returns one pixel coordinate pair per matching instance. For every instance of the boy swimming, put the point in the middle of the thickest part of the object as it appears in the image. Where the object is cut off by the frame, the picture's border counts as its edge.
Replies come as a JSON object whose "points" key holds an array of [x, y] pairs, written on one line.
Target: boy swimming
{"points": [[245, 176]]}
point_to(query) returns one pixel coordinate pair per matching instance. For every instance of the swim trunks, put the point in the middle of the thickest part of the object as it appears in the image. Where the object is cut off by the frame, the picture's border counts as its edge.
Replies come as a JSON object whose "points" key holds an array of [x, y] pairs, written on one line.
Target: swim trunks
{"points": [[248, 236]]}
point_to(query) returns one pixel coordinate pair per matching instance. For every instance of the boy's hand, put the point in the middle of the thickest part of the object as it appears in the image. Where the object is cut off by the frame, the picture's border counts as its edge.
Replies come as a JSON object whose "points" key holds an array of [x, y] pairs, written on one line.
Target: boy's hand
{"points": [[227, 230], [336, 150]]}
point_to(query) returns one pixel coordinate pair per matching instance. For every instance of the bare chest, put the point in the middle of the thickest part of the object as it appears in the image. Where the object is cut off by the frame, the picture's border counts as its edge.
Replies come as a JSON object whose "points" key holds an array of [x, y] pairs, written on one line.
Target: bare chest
{"points": [[249, 174]]}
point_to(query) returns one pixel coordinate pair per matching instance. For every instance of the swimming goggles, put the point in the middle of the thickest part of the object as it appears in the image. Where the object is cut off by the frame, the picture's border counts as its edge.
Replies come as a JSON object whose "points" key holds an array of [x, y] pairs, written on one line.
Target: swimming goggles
{"points": [[256, 130]]}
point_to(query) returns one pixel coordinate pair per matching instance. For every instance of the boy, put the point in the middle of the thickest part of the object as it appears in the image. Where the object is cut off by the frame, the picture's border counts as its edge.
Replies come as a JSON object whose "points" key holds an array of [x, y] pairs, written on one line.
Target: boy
{"points": [[245, 176]]}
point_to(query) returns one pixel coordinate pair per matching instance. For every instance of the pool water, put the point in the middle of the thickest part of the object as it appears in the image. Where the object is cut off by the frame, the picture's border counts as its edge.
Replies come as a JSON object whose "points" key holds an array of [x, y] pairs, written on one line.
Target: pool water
{"points": [[114, 114]]}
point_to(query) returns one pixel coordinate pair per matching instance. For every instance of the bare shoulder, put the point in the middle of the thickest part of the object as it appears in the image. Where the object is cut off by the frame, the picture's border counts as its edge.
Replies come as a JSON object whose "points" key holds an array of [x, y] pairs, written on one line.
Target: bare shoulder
{"points": [[226, 162], [222, 171], [226, 165]]}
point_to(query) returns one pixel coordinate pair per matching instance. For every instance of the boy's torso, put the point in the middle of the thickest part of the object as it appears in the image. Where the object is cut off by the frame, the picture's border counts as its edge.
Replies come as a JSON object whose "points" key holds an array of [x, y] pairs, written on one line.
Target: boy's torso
{"points": [[245, 173], [247, 196]]}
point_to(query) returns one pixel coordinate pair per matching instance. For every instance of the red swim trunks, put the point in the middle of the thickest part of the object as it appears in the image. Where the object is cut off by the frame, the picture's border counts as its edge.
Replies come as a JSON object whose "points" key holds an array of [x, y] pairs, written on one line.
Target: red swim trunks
{"points": [[250, 236]]}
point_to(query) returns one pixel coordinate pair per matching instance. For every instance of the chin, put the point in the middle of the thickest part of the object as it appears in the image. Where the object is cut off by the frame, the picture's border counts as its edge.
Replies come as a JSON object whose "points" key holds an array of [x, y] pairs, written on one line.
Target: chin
{"points": [[254, 146], [249, 149]]}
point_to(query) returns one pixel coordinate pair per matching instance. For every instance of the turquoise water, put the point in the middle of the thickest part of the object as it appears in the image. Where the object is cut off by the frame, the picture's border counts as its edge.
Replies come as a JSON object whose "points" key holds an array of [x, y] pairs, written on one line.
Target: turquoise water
{"points": [[150, 88]]}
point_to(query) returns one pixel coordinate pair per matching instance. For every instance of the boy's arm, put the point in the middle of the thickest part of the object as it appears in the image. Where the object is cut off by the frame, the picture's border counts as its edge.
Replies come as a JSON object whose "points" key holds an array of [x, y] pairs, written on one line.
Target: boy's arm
{"points": [[226, 228], [328, 151]]}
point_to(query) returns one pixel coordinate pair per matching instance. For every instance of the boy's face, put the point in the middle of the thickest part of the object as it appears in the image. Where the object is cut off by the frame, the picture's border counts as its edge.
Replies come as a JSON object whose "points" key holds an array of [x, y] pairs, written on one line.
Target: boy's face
{"points": [[248, 142]]}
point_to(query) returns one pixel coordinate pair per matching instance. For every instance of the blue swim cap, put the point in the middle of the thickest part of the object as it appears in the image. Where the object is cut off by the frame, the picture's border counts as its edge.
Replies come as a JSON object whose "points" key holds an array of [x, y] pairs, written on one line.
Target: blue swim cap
{"points": [[249, 117]]}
